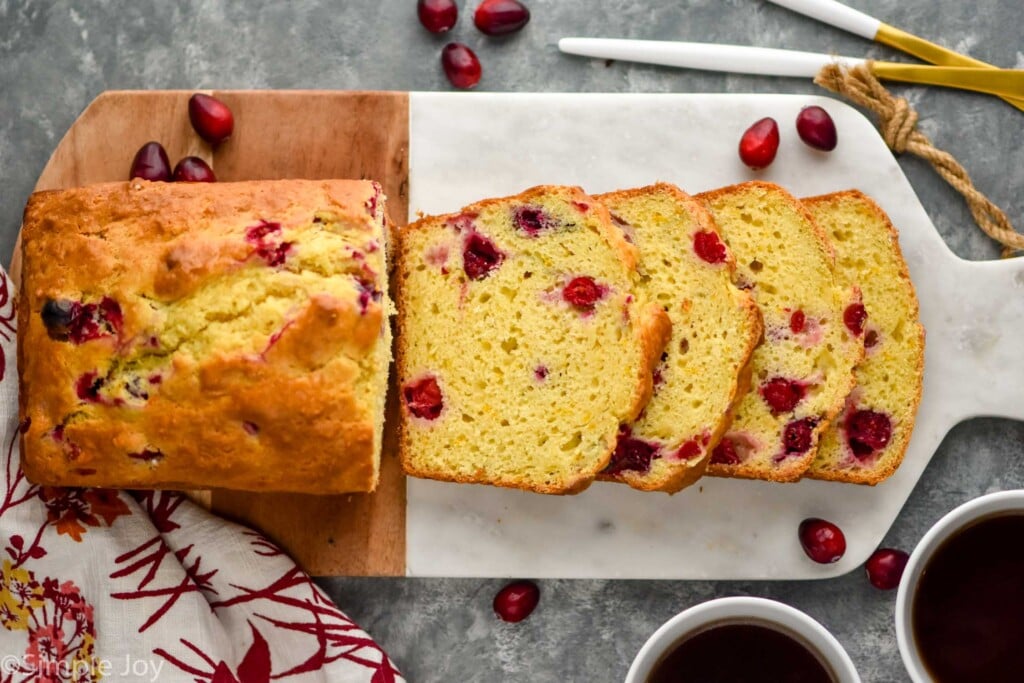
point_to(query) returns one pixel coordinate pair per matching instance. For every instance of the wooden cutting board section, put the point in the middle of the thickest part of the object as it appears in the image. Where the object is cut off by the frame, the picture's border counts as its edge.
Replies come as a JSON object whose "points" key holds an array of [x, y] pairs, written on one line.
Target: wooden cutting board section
{"points": [[278, 134]]}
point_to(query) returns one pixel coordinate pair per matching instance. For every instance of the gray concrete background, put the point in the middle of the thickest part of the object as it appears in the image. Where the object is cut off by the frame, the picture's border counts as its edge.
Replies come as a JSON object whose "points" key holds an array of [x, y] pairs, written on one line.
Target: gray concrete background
{"points": [[56, 56]]}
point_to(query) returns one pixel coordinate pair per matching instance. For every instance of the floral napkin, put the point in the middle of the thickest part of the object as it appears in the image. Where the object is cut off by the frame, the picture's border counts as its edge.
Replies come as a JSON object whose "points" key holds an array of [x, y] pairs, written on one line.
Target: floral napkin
{"points": [[146, 586]]}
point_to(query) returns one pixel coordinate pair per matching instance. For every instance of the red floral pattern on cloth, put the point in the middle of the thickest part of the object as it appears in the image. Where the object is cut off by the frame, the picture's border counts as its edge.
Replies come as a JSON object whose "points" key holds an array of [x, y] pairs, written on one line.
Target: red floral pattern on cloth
{"points": [[146, 586]]}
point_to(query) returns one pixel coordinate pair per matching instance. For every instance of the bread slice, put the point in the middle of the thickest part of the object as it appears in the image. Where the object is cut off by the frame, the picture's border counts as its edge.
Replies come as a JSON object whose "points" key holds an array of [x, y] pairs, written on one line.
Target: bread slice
{"points": [[866, 444], [803, 371], [522, 345], [688, 271]]}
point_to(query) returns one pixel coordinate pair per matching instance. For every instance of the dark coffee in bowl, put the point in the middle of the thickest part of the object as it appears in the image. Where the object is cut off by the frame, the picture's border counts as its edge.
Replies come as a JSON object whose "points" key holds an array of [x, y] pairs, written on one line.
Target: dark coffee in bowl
{"points": [[741, 652], [968, 609]]}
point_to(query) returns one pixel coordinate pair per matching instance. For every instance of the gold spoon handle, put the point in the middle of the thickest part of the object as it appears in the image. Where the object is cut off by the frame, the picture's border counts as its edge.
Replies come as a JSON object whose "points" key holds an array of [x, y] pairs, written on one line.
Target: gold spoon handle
{"points": [[936, 54], [1002, 82]]}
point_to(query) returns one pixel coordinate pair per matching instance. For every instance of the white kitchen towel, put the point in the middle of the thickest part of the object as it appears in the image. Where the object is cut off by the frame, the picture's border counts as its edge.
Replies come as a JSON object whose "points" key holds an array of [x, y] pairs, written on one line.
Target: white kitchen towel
{"points": [[146, 586]]}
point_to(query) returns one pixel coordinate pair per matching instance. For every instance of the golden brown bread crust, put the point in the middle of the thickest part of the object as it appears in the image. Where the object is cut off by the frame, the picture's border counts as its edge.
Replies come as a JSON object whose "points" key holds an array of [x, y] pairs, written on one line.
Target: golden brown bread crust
{"points": [[794, 471], [874, 476], [273, 414], [654, 330]]}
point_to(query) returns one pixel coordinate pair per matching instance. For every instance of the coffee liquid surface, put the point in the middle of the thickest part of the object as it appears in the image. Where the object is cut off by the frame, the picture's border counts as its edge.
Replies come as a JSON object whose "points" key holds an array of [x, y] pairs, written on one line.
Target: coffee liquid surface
{"points": [[968, 612], [740, 653]]}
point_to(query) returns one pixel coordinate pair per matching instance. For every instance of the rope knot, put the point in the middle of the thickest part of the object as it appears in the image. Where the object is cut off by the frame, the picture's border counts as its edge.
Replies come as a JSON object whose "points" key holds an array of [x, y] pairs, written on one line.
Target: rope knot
{"points": [[897, 124]]}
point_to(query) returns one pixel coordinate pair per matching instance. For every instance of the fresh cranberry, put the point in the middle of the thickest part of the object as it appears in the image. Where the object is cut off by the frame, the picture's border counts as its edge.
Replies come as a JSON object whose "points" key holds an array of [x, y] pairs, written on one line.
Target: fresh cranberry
{"points": [[211, 118], [193, 170], [498, 17], [423, 398], [854, 318], [797, 322], [797, 436], [823, 541], [88, 386], [725, 453], [885, 568], [631, 454], [760, 143], [460, 65], [480, 256], [870, 339], [516, 601], [867, 432], [816, 128], [709, 247], [532, 220], [582, 292], [689, 450], [151, 163], [437, 16], [540, 373], [782, 394]]}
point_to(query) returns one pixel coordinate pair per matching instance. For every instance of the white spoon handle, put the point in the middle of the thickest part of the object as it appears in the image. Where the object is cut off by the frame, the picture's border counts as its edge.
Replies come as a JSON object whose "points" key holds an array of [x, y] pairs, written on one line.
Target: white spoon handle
{"points": [[834, 14], [707, 56]]}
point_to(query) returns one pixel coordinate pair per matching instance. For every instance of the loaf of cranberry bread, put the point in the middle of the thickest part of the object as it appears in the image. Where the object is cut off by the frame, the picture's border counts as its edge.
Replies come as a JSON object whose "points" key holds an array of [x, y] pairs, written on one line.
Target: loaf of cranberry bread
{"points": [[522, 344], [866, 444], [230, 335], [686, 269], [813, 335]]}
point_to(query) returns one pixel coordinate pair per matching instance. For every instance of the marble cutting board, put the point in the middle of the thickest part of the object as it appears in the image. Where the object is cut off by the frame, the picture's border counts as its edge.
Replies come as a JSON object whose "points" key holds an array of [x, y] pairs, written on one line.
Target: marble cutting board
{"points": [[435, 152], [467, 146]]}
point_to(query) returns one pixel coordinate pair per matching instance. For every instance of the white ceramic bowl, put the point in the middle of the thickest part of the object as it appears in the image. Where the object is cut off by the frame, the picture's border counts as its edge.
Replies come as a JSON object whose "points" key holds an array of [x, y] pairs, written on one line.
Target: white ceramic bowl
{"points": [[754, 609], [985, 506]]}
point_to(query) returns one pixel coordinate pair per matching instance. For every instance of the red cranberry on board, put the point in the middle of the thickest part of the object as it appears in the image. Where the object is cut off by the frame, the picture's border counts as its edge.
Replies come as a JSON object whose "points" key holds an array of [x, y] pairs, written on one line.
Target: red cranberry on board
{"points": [[516, 601], [822, 541], [151, 163], [499, 17], [193, 170], [885, 568], [211, 118], [437, 16], [816, 128], [760, 143], [460, 65]]}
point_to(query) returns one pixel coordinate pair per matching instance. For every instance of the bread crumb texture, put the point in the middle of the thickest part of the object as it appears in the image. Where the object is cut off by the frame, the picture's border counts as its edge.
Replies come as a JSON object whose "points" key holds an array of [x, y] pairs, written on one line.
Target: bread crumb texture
{"points": [[523, 346]]}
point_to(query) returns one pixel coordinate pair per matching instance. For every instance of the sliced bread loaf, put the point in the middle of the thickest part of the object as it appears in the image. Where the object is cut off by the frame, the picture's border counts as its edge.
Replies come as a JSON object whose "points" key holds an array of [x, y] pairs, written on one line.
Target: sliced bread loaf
{"points": [[866, 444], [803, 371], [687, 270], [522, 344]]}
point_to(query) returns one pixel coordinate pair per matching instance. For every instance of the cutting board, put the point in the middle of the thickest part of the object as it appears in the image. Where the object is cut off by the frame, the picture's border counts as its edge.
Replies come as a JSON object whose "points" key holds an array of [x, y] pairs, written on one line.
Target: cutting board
{"points": [[435, 152]]}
